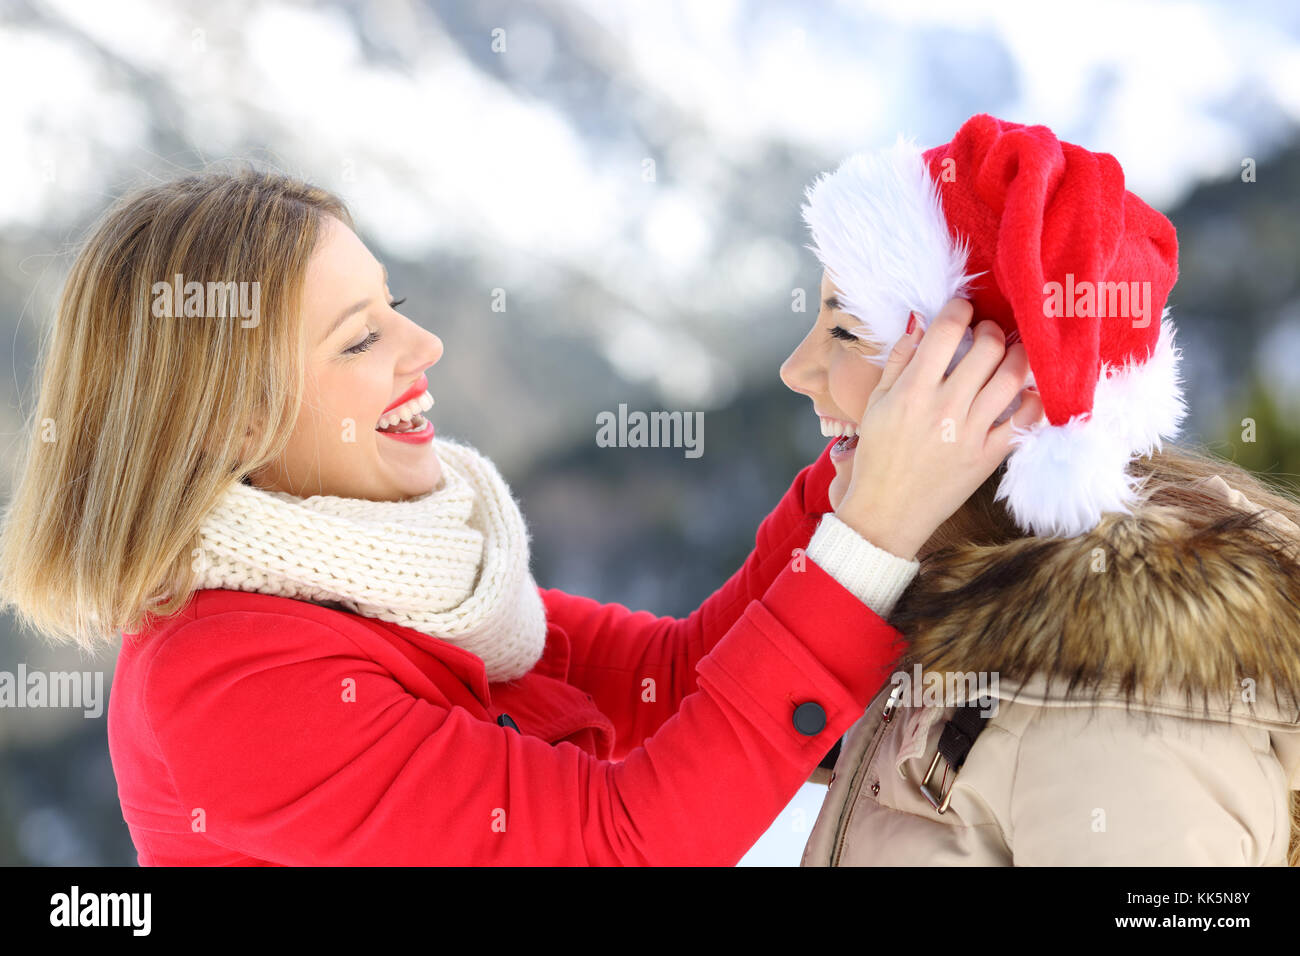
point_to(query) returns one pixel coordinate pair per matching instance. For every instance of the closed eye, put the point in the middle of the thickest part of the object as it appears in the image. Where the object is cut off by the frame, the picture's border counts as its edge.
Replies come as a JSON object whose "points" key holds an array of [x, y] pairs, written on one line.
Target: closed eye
{"points": [[371, 337], [842, 334]]}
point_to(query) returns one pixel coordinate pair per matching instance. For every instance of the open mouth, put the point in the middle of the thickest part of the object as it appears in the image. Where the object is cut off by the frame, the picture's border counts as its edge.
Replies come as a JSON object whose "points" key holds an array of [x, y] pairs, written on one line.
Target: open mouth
{"points": [[407, 418], [848, 435], [844, 447], [412, 424]]}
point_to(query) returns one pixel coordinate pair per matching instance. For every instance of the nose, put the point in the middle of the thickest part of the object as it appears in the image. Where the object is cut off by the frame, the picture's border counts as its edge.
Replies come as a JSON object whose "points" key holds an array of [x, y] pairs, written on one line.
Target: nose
{"points": [[799, 371], [429, 347]]}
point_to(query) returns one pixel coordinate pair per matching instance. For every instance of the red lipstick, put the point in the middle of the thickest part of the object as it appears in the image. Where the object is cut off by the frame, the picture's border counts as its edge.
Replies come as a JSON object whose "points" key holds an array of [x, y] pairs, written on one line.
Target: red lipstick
{"points": [[415, 391]]}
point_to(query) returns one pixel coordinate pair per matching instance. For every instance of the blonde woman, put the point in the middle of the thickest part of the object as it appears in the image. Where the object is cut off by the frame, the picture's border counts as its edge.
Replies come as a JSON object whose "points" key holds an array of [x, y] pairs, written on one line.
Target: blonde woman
{"points": [[333, 650]]}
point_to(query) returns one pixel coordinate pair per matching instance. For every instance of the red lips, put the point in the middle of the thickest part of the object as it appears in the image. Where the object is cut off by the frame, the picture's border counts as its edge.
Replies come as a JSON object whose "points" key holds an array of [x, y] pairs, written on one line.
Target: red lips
{"points": [[415, 391]]}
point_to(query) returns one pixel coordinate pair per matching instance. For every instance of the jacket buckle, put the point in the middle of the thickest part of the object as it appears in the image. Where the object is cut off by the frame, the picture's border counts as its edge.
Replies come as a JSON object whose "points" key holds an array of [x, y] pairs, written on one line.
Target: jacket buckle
{"points": [[940, 803], [955, 742]]}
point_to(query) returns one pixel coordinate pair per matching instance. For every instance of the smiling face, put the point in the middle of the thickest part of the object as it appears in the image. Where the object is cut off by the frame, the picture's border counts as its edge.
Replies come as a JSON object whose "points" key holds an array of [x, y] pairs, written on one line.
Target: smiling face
{"points": [[830, 366], [362, 356]]}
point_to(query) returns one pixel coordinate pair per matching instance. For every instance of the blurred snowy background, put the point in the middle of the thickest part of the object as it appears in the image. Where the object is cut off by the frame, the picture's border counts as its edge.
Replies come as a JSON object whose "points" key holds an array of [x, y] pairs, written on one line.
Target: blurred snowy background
{"points": [[630, 173]]}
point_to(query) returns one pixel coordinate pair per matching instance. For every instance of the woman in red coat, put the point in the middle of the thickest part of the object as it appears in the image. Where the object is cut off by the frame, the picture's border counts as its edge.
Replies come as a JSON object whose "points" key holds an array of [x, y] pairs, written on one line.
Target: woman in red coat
{"points": [[333, 650]]}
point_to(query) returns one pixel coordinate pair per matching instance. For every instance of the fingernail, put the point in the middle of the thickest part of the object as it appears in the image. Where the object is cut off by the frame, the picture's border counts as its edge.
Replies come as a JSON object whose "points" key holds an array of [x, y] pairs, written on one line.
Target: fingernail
{"points": [[911, 323]]}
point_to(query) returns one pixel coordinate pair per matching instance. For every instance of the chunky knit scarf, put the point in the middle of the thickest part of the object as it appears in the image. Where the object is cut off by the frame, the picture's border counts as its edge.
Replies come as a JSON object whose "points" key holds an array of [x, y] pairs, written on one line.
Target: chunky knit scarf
{"points": [[452, 564]]}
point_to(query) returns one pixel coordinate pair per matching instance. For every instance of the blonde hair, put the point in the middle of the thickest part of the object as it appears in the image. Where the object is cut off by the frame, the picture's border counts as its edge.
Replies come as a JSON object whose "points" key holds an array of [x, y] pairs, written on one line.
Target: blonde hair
{"points": [[141, 422]]}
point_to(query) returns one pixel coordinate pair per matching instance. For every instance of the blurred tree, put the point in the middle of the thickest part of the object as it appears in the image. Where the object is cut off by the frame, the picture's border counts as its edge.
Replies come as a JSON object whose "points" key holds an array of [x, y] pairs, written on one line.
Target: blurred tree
{"points": [[1260, 436]]}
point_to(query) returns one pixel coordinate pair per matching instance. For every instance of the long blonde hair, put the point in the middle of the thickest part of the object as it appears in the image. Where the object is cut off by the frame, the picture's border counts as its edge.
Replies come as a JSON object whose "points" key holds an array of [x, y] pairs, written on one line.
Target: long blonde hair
{"points": [[142, 421]]}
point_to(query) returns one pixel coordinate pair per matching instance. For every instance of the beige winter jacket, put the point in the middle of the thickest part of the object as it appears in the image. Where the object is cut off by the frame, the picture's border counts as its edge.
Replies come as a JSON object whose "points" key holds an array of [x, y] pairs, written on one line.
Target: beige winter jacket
{"points": [[1178, 744]]}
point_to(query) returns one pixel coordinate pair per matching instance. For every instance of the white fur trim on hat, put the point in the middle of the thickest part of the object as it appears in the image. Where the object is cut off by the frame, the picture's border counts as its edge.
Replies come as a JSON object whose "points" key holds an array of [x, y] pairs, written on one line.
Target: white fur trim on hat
{"points": [[879, 230], [1061, 479]]}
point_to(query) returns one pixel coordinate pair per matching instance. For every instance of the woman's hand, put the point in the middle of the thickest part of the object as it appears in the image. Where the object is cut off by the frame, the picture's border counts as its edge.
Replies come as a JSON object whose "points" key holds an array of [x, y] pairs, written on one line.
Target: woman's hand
{"points": [[926, 442]]}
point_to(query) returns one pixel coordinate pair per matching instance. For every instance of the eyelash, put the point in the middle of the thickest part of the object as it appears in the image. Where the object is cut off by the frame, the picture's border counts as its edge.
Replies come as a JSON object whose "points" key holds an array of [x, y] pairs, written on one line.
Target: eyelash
{"points": [[372, 337], [842, 334]]}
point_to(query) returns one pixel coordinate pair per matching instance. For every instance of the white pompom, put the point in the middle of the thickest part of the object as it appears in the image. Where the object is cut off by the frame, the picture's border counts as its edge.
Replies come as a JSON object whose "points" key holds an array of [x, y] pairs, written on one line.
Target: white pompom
{"points": [[1061, 479]]}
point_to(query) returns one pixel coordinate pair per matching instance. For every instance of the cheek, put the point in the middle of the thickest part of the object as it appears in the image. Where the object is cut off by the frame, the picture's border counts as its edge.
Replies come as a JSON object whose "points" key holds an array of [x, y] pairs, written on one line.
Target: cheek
{"points": [[312, 418], [335, 400], [852, 380]]}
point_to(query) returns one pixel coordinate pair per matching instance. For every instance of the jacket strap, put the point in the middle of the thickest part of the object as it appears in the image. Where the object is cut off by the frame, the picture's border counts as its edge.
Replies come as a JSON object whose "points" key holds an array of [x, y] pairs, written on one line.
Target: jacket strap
{"points": [[955, 742], [959, 734]]}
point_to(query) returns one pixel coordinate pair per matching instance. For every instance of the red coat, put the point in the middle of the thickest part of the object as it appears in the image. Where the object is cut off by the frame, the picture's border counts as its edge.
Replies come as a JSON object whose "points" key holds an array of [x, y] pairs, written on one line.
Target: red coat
{"points": [[248, 729]]}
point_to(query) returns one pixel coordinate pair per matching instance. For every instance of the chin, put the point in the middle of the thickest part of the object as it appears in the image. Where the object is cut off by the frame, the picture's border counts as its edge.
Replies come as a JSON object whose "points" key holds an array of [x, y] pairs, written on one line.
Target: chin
{"points": [[836, 489], [428, 478]]}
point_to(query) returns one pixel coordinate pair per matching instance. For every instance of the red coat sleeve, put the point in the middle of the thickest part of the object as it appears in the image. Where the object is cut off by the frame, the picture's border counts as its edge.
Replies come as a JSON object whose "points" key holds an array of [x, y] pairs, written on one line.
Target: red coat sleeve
{"points": [[639, 666], [250, 711]]}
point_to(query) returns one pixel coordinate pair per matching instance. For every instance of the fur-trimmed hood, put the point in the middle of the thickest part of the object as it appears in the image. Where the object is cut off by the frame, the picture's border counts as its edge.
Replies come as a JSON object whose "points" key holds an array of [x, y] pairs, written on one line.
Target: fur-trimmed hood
{"points": [[1162, 609], [1184, 614]]}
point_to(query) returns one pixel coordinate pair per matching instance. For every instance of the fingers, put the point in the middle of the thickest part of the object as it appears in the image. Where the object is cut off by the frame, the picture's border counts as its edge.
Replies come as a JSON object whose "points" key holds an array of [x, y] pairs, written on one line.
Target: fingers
{"points": [[1001, 388], [899, 357], [942, 336], [978, 366], [1029, 413]]}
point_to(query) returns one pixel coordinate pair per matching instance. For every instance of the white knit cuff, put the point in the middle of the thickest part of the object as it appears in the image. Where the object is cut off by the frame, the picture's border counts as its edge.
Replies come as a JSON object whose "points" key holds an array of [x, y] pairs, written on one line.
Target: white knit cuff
{"points": [[873, 575]]}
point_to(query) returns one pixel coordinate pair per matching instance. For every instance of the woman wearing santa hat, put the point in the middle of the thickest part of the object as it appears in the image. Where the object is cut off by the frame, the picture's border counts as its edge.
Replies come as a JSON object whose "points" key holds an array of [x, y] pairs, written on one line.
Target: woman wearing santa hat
{"points": [[1103, 642]]}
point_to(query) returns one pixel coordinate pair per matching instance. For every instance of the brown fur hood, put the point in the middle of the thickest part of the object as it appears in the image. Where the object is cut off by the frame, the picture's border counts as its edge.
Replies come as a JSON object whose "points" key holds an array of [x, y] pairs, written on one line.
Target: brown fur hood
{"points": [[1169, 601]]}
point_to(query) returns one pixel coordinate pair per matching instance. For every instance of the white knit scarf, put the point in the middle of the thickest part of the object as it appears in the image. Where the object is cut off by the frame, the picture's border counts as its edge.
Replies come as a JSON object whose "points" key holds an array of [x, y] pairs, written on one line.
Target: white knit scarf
{"points": [[452, 564]]}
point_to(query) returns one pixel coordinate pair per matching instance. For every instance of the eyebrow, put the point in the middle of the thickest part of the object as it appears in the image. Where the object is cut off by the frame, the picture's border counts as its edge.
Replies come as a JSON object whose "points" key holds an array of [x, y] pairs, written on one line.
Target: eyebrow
{"points": [[832, 302], [352, 309]]}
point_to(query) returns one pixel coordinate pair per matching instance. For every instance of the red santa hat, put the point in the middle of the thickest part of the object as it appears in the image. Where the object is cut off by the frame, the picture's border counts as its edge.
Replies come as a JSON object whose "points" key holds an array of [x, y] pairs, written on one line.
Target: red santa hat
{"points": [[1042, 237]]}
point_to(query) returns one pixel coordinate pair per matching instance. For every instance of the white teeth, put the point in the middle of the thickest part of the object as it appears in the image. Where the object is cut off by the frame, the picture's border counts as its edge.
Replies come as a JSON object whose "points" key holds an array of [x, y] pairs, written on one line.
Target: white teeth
{"points": [[406, 411], [833, 429]]}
